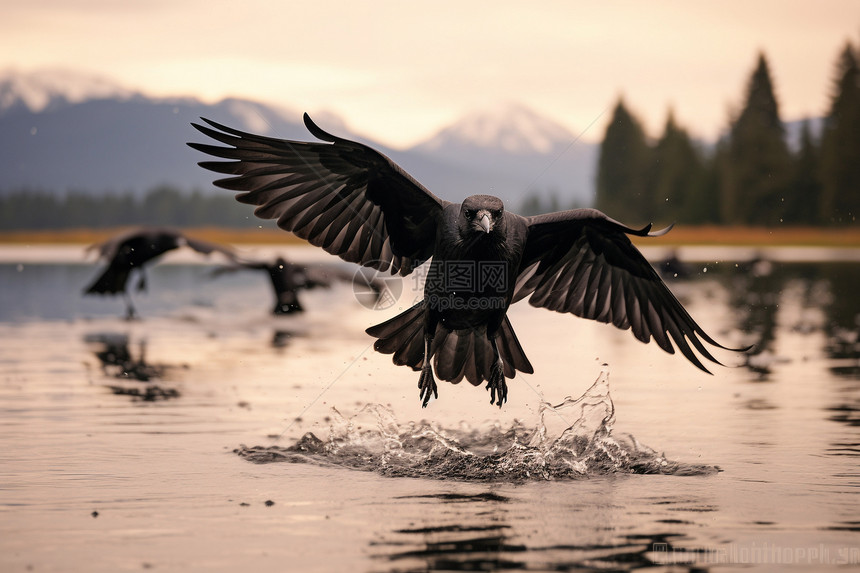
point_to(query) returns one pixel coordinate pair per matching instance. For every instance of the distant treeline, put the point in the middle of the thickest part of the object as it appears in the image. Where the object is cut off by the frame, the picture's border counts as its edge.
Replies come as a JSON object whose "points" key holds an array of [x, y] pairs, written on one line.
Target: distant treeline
{"points": [[161, 206], [751, 177]]}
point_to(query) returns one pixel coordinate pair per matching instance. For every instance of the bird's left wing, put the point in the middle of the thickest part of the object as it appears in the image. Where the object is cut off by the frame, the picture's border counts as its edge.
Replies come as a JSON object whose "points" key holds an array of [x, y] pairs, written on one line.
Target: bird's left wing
{"points": [[583, 262], [341, 195], [108, 248]]}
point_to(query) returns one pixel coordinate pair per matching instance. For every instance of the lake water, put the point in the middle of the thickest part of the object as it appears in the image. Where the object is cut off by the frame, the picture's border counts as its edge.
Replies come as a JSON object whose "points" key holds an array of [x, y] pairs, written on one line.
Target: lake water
{"points": [[211, 436]]}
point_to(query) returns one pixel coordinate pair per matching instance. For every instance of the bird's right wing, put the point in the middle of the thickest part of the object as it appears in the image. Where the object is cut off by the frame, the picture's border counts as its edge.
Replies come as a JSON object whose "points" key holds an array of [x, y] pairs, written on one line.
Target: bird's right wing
{"points": [[239, 264], [342, 196], [161, 239], [207, 247]]}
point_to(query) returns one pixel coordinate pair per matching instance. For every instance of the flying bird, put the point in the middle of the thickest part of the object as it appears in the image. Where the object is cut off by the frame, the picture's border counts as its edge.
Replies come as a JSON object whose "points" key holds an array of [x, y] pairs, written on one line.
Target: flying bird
{"points": [[132, 251], [287, 279], [358, 204]]}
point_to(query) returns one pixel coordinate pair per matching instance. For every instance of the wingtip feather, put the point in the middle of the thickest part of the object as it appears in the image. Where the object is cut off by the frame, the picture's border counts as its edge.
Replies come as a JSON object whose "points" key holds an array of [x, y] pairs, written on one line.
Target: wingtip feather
{"points": [[317, 131], [661, 232]]}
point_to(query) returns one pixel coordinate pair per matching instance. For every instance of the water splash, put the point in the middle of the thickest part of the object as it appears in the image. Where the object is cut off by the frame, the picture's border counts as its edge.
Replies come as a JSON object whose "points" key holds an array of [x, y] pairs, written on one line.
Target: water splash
{"points": [[571, 440]]}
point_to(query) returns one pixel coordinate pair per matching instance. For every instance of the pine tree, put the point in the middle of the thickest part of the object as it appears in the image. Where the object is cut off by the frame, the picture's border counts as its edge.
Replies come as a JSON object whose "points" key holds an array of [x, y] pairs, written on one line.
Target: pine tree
{"points": [[622, 170], [804, 198], [707, 207], [755, 185], [840, 145], [677, 176]]}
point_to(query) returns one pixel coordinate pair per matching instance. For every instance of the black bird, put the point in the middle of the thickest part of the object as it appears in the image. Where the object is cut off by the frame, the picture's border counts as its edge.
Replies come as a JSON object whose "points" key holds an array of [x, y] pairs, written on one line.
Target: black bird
{"points": [[288, 279], [132, 250], [359, 205]]}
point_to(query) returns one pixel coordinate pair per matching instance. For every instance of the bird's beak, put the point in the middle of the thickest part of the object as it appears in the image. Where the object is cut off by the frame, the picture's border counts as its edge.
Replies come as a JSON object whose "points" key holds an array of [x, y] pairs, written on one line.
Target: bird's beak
{"points": [[485, 223]]}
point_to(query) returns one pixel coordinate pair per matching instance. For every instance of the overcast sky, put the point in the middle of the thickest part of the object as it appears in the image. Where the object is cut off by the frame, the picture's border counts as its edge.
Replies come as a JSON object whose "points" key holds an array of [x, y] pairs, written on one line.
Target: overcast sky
{"points": [[397, 71]]}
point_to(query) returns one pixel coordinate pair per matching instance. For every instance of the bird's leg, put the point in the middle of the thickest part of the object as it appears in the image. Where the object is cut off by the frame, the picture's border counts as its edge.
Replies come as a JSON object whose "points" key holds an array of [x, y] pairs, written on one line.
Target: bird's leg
{"points": [[130, 313], [496, 384], [141, 281], [426, 383]]}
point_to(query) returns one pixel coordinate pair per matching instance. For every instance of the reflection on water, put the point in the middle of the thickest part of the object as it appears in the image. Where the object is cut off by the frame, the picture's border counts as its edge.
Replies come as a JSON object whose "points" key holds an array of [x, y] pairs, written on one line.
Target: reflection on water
{"points": [[151, 393], [828, 299], [118, 361], [843, 320], [174, 288], [489, 542], [480, 546], [281, 338], [546, 484], [827, 294]]}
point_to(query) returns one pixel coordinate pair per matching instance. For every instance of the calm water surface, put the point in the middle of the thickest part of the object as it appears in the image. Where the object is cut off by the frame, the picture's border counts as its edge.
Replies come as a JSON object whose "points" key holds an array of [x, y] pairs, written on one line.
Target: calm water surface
{"points": [[132, 445]]}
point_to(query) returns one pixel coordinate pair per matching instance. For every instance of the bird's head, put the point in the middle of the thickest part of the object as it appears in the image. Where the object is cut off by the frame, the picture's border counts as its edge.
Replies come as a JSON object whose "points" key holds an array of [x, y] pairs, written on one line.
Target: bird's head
{"points": [[482, 215]]}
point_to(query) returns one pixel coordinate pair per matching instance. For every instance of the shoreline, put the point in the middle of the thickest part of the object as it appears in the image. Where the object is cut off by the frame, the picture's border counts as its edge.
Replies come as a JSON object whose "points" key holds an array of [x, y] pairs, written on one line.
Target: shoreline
{"points": [[679, 236]]}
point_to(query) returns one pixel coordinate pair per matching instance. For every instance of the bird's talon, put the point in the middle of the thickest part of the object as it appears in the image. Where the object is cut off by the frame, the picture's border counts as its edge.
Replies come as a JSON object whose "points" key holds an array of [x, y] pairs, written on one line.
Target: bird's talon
{"points": [[497, 386], [427, 386]]}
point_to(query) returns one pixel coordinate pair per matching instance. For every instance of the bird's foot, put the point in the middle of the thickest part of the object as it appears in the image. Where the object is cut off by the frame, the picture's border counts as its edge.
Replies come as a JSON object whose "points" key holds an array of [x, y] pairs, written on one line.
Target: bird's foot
{"points": [[497, 386], [427, 385]]}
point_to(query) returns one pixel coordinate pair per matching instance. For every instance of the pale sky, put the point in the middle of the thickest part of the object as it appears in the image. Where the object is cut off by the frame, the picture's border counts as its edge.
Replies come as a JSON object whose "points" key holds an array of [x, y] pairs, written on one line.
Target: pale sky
{"points": [[398, 71]]}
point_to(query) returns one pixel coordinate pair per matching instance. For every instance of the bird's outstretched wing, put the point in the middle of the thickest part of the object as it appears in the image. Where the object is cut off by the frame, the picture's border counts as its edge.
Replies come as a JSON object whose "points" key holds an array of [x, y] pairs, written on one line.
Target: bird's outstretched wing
{"points": [[108, 248], [205, 247], [342, 196], [582, 262], [158, 240]]}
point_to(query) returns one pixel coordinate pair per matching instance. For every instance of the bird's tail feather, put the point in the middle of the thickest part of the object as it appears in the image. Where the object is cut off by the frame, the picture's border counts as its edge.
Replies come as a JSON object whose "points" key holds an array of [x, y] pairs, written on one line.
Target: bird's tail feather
{"points": [[468, 354], [457, 354], [511, 351], [402, 336]]}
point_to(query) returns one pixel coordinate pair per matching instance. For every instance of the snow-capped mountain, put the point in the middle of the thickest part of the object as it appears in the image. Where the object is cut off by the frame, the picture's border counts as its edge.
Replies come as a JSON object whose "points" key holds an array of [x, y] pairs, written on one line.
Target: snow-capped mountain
{"points": [[517, 146], [42, 90], [50, 90], [509, 128], [62, 131]]}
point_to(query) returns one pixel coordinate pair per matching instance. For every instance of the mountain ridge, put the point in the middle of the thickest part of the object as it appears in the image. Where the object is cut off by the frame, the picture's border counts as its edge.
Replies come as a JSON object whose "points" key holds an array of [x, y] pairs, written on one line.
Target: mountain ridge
{"points": [[510, 127], [62, 130]]}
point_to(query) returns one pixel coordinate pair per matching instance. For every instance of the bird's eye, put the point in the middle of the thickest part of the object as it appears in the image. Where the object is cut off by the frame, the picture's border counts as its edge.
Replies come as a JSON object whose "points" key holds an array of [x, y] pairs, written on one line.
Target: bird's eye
{"points": [[496, 214], [470, 214]]}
